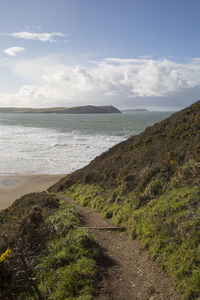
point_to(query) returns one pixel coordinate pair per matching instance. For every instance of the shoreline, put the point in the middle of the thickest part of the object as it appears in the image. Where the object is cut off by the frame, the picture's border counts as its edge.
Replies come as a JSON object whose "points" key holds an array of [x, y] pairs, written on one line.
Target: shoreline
{"points": [[17, 185]]}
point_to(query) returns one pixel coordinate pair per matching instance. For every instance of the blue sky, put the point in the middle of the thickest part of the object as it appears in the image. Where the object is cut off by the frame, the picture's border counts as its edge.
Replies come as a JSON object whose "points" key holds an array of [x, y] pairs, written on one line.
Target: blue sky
{"points": [[130, 53]]}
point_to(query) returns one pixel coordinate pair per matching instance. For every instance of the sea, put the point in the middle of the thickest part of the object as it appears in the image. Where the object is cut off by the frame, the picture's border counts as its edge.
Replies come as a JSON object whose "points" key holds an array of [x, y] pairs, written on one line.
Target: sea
{"points": [[63, 143]]}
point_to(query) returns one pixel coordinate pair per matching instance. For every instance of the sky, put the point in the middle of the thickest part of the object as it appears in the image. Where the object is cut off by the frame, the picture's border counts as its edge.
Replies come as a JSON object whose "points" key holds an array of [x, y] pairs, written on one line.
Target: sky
{"points": [[128, 53]]}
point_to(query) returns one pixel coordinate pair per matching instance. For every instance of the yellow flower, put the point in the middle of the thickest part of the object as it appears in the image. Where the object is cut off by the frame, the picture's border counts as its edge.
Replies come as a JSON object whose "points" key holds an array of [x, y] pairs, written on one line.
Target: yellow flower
{"points": [[5, 255], [172, 162]]}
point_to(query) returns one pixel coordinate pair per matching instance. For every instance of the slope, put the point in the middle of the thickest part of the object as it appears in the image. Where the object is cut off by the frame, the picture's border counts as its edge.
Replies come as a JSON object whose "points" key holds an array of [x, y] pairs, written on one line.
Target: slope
{"points": [[150, 184]]}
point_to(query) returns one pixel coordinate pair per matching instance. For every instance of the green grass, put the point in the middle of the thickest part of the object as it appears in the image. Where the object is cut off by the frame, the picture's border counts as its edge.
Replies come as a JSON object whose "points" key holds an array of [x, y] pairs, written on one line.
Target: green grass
{"points": [[70, 269], [46, 245], [64, 219], [70, 281], [168, 227]]}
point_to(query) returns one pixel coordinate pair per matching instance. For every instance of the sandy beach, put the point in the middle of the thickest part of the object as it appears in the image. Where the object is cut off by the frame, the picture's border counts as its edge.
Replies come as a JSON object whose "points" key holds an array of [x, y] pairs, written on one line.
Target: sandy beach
{"points": [[14, 186]]}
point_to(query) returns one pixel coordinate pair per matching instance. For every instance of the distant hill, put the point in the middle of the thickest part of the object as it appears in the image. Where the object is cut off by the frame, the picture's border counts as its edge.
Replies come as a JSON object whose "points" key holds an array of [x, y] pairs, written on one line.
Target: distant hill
{"points": [[136, 109], [150, 184], [88, 109]]}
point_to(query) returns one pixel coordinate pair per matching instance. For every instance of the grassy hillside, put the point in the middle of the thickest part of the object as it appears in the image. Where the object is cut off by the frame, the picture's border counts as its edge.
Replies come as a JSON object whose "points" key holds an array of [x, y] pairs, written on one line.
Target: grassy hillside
{"points": [[151, 185], [43, 255]]}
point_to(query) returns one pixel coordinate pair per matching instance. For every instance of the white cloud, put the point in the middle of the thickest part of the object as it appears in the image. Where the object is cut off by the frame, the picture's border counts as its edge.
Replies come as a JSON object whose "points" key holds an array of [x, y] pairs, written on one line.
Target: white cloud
{"points": [[52, 82], [44, 37], [13, 51]]}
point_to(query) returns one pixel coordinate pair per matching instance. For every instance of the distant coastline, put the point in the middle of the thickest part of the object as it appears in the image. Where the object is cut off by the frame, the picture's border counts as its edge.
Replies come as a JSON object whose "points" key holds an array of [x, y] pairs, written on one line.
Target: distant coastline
{"points": [[136, 110], [88, 109]]}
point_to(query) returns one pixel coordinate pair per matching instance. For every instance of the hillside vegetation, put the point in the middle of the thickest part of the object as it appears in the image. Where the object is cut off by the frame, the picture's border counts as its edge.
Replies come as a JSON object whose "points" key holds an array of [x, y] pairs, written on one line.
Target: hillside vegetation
{"points": [[43, 255], [151, 185]]}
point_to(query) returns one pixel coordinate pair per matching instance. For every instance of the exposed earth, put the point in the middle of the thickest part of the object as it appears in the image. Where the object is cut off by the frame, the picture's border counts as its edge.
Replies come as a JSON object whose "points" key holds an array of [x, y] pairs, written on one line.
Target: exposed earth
{"points": [[128, 273]]}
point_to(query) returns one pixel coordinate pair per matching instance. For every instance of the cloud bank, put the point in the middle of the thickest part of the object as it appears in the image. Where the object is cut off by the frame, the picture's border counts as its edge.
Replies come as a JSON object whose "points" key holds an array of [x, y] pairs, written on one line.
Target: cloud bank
{"points": [[44, 37], [111, 80], [13, 51]]}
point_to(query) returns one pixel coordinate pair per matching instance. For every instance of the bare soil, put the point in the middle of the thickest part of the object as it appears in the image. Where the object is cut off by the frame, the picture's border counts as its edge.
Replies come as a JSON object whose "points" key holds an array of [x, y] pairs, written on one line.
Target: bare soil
{"points": [[128, 273]]}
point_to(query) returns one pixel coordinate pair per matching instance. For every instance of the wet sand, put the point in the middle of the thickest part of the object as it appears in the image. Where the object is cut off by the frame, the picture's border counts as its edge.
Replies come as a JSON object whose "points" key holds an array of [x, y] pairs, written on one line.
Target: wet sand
{"points": [[15, 186]]}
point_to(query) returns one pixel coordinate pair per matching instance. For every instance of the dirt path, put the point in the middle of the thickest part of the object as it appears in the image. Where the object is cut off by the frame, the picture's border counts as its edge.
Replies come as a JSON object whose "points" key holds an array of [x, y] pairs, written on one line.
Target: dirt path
{"points": [[128, 272]]}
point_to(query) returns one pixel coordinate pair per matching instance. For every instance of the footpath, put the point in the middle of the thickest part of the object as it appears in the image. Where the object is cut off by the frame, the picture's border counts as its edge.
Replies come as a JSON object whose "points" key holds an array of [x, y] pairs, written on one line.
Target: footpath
{"points": [[128, 273]]}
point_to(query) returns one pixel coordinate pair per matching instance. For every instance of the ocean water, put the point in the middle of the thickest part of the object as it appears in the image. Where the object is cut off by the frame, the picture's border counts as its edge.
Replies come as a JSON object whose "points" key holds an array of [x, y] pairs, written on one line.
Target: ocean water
{"points": [[60, 144]]}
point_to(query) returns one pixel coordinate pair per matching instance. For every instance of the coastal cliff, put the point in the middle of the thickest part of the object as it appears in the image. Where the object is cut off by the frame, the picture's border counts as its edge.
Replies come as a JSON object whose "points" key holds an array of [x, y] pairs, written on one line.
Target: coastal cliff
{"points": [[150, 185]]}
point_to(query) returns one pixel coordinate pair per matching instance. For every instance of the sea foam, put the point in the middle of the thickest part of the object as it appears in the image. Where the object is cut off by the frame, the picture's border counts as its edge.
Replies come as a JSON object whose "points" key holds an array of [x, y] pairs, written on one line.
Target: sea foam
{"points": [[46, 151], [59, 143]]}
